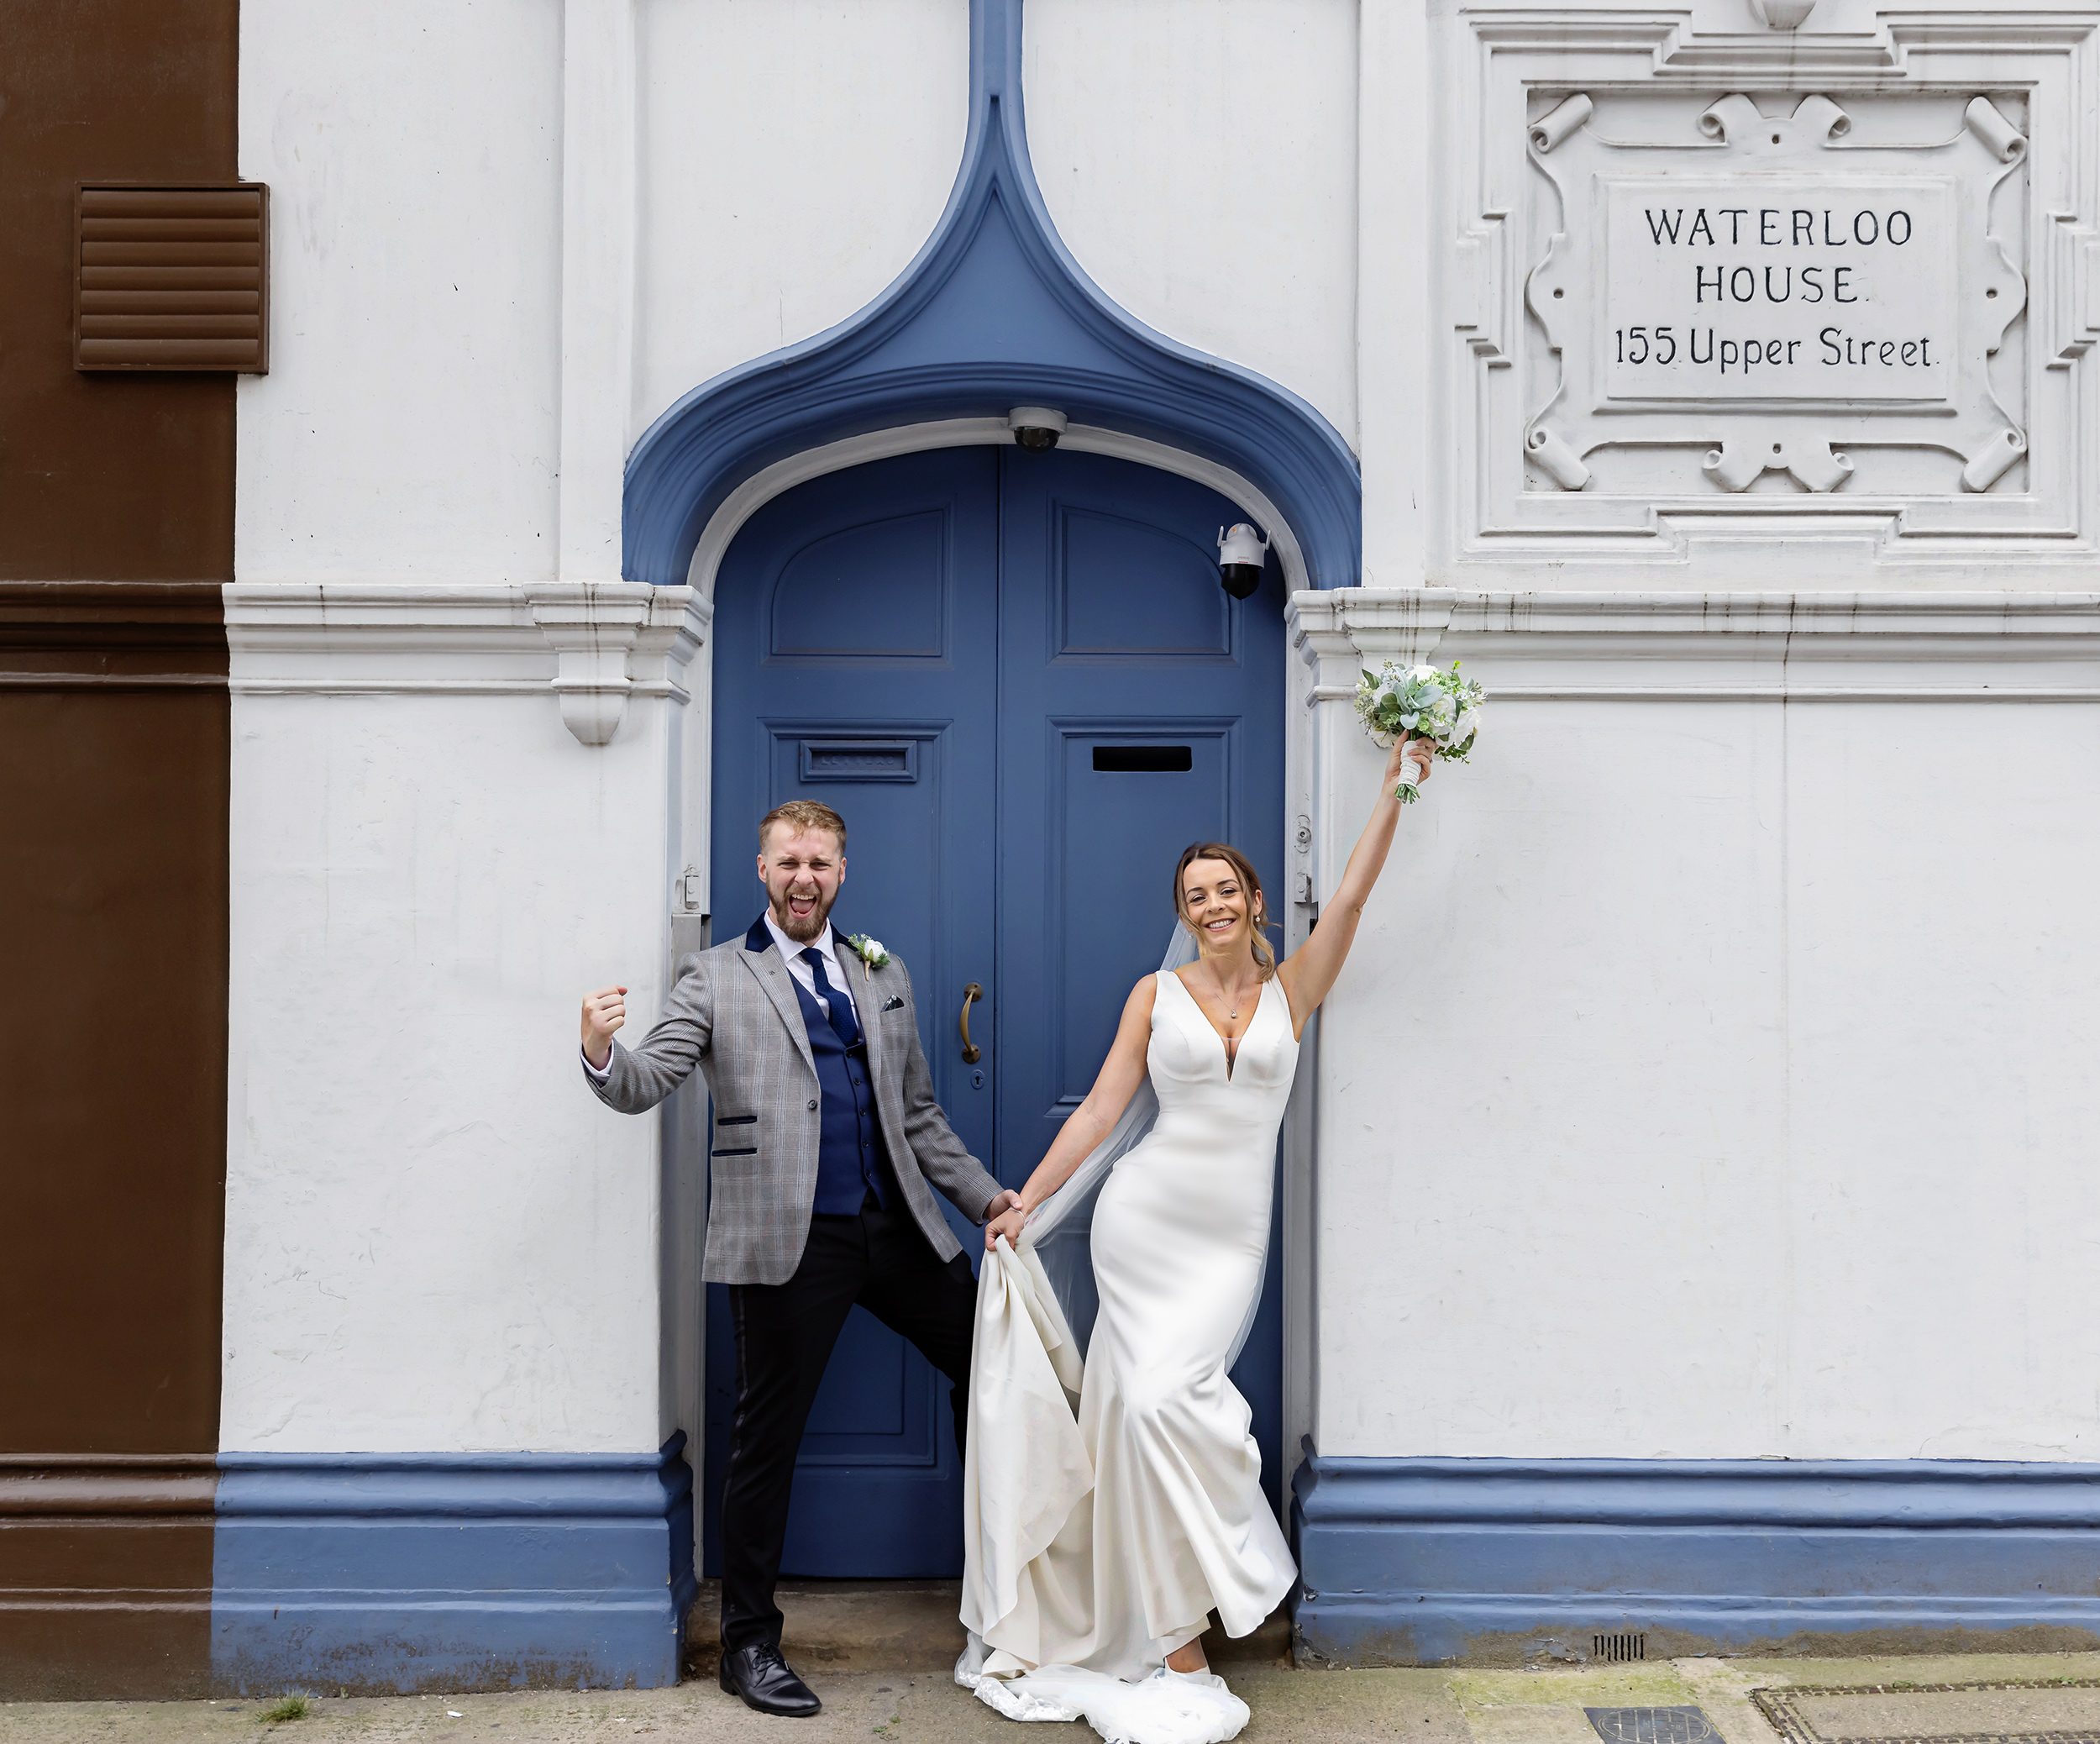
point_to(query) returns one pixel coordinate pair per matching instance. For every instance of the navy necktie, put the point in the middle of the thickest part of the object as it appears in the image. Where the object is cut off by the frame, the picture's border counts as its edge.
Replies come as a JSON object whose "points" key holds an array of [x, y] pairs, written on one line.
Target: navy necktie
{"points": [[841, 1012]]}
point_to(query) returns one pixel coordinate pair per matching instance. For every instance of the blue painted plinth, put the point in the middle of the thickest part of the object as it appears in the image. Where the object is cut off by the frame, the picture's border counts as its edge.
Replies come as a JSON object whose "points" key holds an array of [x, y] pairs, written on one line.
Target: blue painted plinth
{"points": [[381, 1572], [1408, 1562]]}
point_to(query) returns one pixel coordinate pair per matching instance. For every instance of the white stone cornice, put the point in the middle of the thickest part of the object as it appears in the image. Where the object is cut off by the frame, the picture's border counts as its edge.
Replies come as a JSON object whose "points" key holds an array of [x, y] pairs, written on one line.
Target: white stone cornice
{"points": [[593, 645], [1683, 646]]}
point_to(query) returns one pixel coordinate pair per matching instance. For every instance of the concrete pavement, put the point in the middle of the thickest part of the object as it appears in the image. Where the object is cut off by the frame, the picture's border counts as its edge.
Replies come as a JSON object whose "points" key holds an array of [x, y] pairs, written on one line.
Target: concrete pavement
{"points": [[878, 1655], [922, 1707]]}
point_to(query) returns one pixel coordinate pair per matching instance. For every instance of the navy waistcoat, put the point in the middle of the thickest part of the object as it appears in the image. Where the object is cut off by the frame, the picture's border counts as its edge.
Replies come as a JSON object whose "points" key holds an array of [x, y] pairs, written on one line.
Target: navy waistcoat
{"points": [[851, 1157]]}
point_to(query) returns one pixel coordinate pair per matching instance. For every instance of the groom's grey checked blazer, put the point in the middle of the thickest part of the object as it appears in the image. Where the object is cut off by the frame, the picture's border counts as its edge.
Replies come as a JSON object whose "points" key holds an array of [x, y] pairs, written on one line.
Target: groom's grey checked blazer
{"points": [[733, 1014]]}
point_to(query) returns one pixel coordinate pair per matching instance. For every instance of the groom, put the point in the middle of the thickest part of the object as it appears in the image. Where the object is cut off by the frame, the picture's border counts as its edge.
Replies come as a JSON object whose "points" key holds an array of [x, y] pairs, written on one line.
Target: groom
{"points": [[826, 1135]]}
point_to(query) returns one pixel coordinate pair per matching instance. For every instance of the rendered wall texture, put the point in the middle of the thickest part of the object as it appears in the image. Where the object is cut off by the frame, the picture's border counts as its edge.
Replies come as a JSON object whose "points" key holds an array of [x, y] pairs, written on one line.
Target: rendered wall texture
{"points": [[1757, 1119], [435, 1241], [1746, 1121], [408, 427], [1761, 1181], [763, 223], [1199, 160]]}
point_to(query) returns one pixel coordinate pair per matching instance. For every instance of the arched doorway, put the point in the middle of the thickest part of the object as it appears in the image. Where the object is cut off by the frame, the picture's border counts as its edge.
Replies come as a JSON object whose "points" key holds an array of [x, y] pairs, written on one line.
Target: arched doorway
{"points": [[1017, 676]]}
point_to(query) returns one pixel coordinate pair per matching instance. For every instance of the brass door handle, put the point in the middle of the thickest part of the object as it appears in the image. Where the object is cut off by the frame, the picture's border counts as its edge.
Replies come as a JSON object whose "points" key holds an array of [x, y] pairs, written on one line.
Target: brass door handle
{"points": [[971, 1053]]}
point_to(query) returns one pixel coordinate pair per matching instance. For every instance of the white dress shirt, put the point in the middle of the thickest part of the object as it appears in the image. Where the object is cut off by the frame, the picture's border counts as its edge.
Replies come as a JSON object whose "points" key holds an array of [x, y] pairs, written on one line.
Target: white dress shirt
{"points": [[790, 952]]}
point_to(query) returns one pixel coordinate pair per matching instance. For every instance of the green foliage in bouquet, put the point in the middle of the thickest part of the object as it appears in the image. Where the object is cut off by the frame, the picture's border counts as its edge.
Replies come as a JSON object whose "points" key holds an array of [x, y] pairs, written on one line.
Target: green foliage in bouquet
{"points": [[1434, 704]]}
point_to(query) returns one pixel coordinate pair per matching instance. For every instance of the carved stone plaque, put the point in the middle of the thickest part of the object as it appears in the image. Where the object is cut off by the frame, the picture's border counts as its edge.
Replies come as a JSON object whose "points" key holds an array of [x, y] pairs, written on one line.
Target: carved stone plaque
{"points": [[1777, 304], [1784, 265], [1755, 289]]}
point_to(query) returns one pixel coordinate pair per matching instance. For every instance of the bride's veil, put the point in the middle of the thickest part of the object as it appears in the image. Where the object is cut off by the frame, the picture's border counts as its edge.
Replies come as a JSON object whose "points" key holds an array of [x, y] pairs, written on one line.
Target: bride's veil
{"points": [[1061, 1229]]}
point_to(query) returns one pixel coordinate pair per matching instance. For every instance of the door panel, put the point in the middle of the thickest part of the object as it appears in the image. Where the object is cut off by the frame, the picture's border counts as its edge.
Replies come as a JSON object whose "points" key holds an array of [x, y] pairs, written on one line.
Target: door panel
{"points": [[855, 664], [1017, 677], [1112, 836], [1139, 650]]}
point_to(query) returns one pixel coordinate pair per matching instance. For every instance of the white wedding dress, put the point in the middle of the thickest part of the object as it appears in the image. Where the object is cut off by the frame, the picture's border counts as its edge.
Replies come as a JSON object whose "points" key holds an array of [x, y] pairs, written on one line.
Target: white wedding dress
{"points": [[1109, 1510]]}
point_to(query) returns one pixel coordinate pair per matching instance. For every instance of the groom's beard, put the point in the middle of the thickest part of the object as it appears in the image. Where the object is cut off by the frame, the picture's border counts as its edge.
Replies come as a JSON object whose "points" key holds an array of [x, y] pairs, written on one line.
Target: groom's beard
{"points": [[802, 927]]}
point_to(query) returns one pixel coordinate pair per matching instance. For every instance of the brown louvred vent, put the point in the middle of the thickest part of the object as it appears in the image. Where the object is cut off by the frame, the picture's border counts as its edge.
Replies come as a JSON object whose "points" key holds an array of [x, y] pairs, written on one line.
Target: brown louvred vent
{"points": [[172, 278]]}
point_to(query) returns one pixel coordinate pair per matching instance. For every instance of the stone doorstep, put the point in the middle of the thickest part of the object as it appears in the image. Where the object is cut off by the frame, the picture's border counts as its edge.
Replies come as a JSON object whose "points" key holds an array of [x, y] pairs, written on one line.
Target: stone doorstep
{"points": [[905, 1625]]}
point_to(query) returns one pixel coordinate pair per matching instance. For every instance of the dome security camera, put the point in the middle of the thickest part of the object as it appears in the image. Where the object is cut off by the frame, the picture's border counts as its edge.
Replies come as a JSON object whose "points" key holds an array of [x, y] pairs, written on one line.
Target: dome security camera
{"points": [[1036, 428], [1242, 552]]}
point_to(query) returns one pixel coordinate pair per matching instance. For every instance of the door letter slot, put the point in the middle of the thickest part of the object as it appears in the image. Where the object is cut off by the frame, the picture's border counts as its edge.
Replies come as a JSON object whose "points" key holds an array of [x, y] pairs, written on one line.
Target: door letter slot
{"points": [[1144, 759], [860, 759]]}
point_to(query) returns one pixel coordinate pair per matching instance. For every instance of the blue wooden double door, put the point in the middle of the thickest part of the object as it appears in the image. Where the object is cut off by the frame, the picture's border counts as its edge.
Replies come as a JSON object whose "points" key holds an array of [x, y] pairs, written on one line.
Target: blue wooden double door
{"points": [[1017, 678]]}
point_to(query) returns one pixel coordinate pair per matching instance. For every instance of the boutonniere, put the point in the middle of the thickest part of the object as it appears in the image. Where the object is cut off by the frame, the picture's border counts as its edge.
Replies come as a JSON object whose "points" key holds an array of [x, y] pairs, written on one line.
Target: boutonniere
{"points": [[873, 955]]}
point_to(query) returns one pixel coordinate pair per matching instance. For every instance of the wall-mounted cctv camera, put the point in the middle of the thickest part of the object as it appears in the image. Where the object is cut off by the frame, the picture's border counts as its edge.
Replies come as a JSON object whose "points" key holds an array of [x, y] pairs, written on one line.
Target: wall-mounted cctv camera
{"points": [[1036, 428], [1240, 553]]}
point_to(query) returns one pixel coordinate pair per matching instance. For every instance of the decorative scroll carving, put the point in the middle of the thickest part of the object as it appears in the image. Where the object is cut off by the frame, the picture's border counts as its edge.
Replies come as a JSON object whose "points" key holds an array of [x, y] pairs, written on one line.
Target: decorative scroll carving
{"points": [[2005, 141], [1559, 122]]}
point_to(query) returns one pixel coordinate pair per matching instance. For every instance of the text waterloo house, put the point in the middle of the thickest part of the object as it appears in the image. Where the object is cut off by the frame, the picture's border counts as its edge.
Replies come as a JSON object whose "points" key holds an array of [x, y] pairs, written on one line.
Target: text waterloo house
{"points": [[1822, 233]]}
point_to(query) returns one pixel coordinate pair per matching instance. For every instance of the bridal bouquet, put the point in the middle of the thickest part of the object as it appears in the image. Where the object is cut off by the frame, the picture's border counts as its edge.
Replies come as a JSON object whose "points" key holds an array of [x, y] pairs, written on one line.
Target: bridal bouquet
{"points": [[1431, 703]]}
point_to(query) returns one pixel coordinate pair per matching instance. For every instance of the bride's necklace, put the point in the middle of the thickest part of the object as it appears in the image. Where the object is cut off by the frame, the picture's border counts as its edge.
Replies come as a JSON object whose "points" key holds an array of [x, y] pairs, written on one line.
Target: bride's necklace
{"points": [[1235, 999]]}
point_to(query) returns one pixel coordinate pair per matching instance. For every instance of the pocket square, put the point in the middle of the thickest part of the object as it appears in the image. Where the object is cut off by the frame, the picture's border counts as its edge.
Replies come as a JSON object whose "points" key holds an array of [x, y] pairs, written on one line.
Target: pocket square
{"points": [[893, 1004]]}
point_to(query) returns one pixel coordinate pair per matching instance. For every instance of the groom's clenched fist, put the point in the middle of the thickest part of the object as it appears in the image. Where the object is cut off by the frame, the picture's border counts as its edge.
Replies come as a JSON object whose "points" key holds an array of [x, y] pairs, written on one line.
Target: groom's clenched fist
{"points": [[603, 1012]]}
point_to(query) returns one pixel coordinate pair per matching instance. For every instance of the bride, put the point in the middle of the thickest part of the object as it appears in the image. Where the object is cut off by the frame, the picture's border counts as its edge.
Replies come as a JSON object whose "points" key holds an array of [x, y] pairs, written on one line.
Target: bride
{"points": [[1110, 1509]]}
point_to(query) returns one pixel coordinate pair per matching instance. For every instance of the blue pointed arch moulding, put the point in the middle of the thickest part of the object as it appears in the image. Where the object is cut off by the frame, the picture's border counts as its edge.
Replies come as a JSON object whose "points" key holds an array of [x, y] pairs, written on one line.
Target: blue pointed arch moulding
{"points": [[993, 312]]}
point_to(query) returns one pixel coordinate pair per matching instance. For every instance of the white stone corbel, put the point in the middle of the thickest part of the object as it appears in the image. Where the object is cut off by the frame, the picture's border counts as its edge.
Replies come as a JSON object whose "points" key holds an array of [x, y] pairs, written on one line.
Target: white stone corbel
{"points": [[613, 640], [1339, 631], [1782, 14]]}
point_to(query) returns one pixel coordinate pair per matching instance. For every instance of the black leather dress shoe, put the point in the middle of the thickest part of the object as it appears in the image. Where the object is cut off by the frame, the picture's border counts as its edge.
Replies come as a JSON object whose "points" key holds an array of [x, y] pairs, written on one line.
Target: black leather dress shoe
{"points": [[765, 1681]]}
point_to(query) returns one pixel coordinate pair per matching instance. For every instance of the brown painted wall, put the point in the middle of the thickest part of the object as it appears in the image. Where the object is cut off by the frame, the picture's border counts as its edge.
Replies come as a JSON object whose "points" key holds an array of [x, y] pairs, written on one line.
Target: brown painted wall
{"points": [[113, 1043], [116, 526], [106, 478]]}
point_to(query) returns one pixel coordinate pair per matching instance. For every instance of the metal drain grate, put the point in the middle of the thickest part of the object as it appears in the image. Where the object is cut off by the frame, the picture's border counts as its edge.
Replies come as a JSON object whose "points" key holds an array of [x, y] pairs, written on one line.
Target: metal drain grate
{"points": [[1618, 1649], [1652, 1725]]}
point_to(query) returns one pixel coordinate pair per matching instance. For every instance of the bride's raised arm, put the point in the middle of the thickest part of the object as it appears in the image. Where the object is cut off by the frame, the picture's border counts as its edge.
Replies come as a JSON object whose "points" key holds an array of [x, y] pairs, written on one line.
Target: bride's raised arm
{"points": [[1308, 973], [1092, 1121]]}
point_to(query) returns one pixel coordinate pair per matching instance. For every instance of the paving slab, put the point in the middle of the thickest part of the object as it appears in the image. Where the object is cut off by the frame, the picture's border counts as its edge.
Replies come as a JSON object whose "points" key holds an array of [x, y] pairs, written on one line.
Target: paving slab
{"points": [[1991, 1709]]}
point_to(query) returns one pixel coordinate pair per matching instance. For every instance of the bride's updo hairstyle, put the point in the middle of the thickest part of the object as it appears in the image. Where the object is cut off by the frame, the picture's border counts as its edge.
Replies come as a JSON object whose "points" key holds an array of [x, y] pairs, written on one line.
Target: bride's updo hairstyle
{"points": [[1250, 883]]}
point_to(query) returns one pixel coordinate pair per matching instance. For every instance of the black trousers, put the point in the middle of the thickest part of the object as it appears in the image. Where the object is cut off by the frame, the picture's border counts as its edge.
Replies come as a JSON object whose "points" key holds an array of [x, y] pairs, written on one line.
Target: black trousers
{"points": [[785, 1335]]}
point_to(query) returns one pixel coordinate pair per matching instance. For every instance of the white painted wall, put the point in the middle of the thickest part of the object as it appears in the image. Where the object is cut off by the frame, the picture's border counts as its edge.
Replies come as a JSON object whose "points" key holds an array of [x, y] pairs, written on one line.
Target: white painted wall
{"points": [[795, 153], [1748, 1112], [1199, 157], [1759, 1122], [1759, 1125], [409, 424], [1403, 428], [435, 1238]]}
